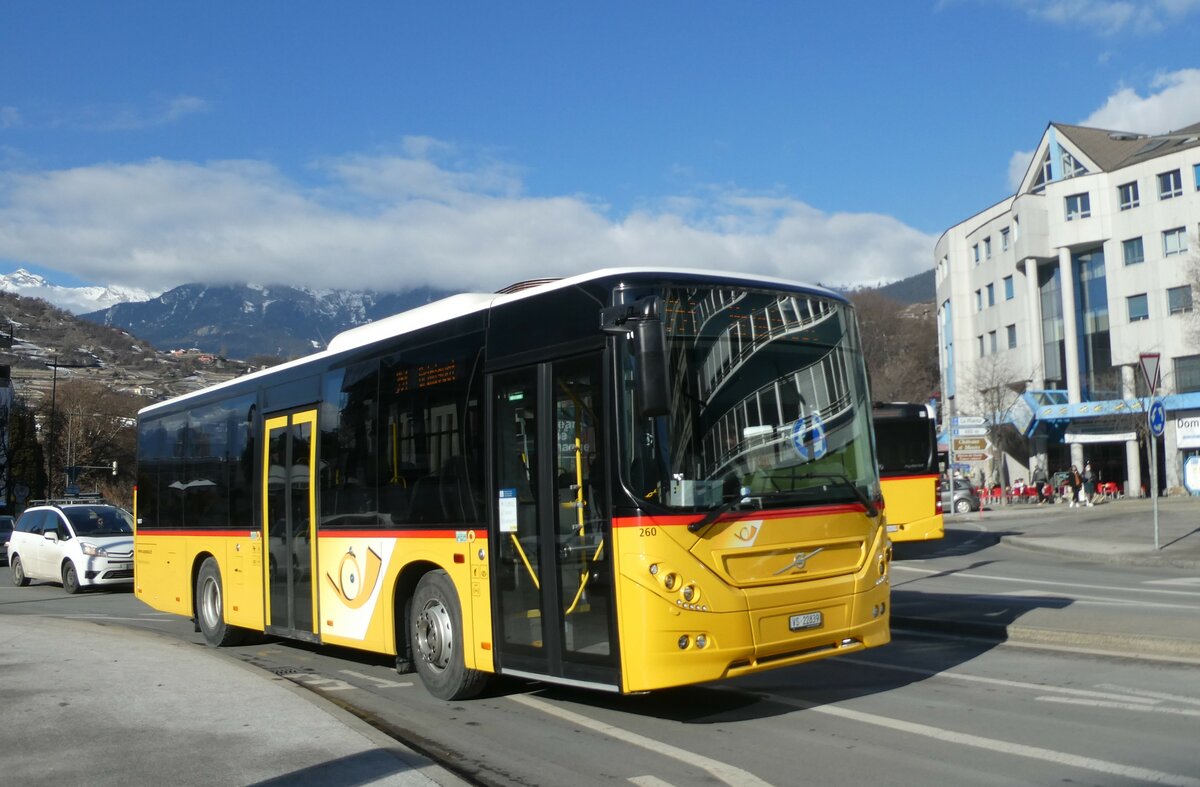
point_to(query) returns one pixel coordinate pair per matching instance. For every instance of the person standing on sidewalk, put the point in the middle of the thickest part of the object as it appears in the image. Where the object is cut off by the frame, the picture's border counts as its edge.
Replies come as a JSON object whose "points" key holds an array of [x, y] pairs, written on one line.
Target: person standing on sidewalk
{"points": [[1089, 484], [1075, 482], [1039, 482]]}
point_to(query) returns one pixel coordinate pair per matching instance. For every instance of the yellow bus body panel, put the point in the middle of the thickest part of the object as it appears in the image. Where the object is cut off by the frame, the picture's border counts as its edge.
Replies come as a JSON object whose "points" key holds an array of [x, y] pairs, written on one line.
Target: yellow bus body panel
{"points": [[745, 623], [165, 567], [911, 505]]}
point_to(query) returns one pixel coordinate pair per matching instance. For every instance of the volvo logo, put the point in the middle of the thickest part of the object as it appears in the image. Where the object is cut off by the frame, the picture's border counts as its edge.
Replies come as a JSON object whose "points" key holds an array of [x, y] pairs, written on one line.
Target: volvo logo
{"points": [[798, 561]]}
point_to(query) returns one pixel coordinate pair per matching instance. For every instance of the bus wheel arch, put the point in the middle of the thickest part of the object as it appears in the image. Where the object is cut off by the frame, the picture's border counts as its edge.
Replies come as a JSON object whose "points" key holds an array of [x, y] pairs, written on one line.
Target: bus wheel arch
{"points": [[436, 642]]}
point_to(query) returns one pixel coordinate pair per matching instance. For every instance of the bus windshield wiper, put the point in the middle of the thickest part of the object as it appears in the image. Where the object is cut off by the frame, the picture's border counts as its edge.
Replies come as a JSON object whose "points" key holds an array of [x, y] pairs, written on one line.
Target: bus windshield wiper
{"points": [[734, 502], [843, 481]]}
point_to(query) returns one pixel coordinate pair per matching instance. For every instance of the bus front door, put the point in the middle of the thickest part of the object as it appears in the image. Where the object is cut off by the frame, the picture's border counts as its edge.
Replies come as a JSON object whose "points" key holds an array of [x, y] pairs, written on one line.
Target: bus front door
{"points": [[288, 508], [550, 535]]}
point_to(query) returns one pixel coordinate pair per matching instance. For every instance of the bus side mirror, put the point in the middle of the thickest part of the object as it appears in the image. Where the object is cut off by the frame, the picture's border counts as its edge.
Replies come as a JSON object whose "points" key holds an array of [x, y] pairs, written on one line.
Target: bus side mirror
{"points": [[644, 319]]}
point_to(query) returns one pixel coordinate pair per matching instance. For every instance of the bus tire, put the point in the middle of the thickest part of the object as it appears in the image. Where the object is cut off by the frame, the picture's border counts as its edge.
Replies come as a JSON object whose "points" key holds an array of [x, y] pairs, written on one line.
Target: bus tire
{"points": [[210, 610], [18, 571], [435, 633]]}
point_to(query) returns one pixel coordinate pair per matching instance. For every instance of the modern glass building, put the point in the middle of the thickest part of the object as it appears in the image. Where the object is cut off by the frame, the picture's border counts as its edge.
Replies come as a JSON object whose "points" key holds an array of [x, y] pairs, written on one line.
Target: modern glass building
{"points": [[1054, 295]]}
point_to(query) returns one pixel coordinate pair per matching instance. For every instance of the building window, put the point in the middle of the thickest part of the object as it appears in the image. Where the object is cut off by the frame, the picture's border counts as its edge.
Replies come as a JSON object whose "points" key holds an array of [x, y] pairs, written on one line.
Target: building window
{"points": [[1008, 288], [975, 251], [978, 300], [1179, 299], [1016, 228], [1004, 237], [1133, 251], [987, 247], [1170, 184], [1128, 195], [992, 341], [1079, 206], [1012, 335], [1174, 241], [1139, 309], [1196, 175], [980, 340], [991, 291], [1187, 374]]}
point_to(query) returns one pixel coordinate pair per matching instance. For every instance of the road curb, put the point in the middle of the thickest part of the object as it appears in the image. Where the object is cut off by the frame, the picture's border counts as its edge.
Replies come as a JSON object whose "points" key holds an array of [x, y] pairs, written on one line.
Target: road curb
{"points": [[1045, 546], [1128, 645]]}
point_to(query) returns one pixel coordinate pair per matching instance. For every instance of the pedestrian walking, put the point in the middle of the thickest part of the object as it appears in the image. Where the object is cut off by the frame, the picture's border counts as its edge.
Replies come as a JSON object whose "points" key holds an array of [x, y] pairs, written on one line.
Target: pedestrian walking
{"points": [[1039, 481], [1089, 484], [1075, 483]]}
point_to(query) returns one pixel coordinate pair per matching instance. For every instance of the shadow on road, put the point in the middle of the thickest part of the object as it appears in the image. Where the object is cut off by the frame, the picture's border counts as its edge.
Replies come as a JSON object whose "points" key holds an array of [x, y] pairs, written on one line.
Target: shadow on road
{"points": [[979, 623]]}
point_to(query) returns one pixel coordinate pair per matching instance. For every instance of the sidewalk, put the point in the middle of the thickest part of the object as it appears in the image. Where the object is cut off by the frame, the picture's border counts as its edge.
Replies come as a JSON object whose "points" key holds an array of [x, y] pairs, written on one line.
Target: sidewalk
{"points": [[100, 705], [1114, 531]]}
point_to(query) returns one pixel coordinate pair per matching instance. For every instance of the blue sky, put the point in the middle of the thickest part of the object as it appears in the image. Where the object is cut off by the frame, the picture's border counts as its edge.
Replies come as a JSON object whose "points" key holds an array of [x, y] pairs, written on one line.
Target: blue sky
{"points": [[471, 144]]}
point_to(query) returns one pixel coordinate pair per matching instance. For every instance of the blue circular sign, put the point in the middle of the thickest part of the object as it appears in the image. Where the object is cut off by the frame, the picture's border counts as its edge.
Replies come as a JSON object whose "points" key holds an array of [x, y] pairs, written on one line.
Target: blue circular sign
{"points": [[1158, 418]]}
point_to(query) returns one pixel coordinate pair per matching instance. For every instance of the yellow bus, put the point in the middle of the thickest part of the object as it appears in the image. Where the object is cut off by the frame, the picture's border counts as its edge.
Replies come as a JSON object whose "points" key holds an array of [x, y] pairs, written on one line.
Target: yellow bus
{"points": [[906, 442], [624, 480]]}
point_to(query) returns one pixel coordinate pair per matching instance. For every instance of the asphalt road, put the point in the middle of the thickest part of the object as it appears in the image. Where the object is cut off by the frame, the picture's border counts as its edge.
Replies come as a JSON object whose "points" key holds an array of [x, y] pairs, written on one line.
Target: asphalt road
{"points": [[949, 702]]}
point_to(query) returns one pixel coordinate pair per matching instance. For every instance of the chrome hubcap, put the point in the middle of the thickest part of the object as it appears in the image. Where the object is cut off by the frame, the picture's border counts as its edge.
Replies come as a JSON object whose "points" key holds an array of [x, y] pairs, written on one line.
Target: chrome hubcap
{"points": [[434, 635], [210, 603]]}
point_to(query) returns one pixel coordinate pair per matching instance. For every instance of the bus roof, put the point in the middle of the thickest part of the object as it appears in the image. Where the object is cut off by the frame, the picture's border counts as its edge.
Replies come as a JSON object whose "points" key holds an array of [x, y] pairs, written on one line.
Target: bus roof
{"points": [[471, 302]]}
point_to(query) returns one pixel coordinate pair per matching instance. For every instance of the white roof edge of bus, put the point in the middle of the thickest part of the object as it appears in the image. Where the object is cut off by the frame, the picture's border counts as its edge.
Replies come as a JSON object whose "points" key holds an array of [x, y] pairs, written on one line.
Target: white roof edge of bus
{"points": [[467, 303]]}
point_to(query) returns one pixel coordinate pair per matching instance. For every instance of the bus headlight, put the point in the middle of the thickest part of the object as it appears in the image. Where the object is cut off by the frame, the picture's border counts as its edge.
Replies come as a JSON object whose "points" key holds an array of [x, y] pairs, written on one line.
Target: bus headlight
{"points": [[683, 642], [689, 593], [671, 580]]}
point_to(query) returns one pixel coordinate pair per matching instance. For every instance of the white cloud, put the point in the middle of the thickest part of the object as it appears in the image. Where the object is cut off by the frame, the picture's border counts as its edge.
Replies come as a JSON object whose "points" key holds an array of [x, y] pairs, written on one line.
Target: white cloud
{"points": [[1174, 102], [1110, 16], [1018, 165], [130, 118], [416, 218]]}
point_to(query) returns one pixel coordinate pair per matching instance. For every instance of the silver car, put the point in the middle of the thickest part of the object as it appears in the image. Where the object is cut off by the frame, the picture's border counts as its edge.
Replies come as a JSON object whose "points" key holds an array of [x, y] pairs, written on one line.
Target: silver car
{"points": [[965, 497]]}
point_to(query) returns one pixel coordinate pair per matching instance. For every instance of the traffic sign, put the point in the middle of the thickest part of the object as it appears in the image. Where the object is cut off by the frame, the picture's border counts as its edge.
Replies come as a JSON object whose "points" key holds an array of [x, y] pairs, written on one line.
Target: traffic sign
{"points": [[1150, 371], [969, 420], [970, 443], [970, 431], [1158, 418], [972, 456]]}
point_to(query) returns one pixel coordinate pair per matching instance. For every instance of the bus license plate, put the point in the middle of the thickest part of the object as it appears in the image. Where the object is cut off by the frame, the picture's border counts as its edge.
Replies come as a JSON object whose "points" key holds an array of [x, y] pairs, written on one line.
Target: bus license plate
{"points": [[809, 620]]}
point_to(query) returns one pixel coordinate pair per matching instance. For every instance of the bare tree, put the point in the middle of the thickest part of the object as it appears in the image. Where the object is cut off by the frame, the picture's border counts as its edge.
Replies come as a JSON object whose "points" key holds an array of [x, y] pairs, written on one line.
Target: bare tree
{"points": [[994, 386], [899, 346]]}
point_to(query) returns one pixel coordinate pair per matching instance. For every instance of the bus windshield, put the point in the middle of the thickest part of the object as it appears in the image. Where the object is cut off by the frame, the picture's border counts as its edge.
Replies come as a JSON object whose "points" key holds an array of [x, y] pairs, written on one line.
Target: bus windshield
{"points": [[769, 405]]}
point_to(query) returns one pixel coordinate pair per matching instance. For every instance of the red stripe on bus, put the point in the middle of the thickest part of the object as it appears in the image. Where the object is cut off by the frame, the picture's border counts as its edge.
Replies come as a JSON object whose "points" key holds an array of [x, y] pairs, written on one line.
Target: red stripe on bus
{"points": [[154, 531], [480, 532], [687, 519]]}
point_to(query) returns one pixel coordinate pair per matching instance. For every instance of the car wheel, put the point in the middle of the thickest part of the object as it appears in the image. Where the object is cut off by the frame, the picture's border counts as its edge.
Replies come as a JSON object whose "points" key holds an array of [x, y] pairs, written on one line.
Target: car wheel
{"points": [[210, 607], [962, 506], [70, 577], [437, 641], [18, 571]]}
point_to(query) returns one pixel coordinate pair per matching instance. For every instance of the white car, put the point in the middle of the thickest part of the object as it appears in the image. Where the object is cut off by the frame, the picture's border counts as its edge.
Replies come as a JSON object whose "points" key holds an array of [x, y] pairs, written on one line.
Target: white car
{"points": [[80, 544]]}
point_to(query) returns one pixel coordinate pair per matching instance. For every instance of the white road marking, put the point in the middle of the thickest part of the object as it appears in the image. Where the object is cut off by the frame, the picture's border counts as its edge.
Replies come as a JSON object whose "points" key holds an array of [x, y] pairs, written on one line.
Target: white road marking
{"points": [[1182, 581], [1122, 706], [1137, 774], [650, 781], [726, 773], [379, 682], [1158, 695], [1098, 600], [316, 681], [1012, 684], [965, 574]]}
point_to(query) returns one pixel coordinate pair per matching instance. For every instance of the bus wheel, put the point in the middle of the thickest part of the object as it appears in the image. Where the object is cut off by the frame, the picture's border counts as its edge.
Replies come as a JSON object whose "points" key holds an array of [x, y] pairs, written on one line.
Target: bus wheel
{"points": [[437, 641], [210, 610]]}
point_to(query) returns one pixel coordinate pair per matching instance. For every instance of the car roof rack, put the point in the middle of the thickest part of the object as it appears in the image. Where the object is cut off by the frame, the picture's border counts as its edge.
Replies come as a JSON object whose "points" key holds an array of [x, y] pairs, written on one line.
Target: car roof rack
{"points": [[93, 498]]}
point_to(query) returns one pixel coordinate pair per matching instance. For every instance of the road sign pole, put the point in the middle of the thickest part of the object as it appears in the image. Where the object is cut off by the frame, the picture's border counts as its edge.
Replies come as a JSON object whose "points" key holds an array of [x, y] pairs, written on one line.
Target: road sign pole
{"points": [[1152, 432]]}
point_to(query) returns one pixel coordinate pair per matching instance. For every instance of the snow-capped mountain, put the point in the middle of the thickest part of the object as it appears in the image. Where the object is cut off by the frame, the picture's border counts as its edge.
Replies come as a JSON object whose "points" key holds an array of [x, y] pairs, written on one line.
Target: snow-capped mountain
{"points": [[76, 300], [244, 321]]}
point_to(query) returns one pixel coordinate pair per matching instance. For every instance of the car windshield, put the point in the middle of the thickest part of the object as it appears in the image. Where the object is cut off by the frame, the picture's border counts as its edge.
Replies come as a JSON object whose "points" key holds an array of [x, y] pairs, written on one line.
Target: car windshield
{"points": [[769, 404], [99, 520]]}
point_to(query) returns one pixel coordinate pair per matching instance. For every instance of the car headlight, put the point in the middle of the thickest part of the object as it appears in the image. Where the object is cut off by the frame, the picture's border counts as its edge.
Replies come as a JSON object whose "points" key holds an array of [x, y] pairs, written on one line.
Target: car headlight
{"points": [[91, 550]]}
